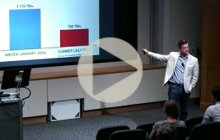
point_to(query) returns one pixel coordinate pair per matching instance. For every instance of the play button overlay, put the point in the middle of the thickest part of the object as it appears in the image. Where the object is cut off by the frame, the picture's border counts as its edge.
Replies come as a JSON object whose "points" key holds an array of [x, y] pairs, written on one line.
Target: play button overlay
{"points": [[120, 90]]}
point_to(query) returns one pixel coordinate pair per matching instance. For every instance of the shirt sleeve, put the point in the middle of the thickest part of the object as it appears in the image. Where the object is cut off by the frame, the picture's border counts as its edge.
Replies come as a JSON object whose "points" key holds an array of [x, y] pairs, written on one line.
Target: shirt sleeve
{"points": [[156, 126], [207, 116], [183, 124], [160, 57]]}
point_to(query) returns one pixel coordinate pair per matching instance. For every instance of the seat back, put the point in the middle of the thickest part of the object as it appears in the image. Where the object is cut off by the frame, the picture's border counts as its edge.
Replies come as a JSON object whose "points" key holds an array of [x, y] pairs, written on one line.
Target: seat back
{"points": [[181, 133], [154, 136], [105, 133], [192, 122], [135, 134], [205, 131], [146, 127]]}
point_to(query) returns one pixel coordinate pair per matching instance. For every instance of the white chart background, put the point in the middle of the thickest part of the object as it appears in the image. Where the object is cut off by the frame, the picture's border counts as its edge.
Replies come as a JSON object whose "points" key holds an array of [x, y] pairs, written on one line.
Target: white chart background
{"points": [[55, 15]]}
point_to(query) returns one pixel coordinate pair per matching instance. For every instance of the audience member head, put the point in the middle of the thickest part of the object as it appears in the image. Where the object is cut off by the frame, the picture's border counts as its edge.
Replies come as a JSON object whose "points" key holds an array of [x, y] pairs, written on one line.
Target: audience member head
{"points": [[171, 109], [216, 93], [166, 132]]}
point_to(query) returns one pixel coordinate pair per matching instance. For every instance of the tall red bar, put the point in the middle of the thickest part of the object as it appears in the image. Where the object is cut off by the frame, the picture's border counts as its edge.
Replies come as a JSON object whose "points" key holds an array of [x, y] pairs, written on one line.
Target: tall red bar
{"points": [[74, 37]]}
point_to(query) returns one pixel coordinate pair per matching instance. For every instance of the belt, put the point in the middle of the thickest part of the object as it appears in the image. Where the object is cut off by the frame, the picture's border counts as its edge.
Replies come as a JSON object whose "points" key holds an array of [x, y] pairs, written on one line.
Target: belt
{"points": [[179, 85]]}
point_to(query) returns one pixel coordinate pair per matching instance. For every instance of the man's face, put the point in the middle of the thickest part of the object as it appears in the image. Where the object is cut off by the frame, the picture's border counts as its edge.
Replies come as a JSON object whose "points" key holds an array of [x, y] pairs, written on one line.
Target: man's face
{"points": [[184, 50]]}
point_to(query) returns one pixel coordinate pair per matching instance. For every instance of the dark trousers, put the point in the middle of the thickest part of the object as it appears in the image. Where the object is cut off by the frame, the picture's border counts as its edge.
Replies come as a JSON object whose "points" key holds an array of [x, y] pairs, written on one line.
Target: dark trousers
{"points": [[177, 93]]}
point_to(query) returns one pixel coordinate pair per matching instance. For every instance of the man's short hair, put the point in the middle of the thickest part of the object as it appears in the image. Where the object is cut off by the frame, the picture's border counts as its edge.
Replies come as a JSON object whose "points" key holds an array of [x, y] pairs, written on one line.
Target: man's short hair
{"points": [[182, 42], [166, 132], [216, 93], [171, 108]]}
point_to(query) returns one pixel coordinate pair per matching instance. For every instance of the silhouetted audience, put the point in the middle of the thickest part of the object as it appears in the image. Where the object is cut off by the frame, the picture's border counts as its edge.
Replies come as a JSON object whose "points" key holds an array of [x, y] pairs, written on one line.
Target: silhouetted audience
{"points": [[166, 132], [212, 113], [172, 111]]}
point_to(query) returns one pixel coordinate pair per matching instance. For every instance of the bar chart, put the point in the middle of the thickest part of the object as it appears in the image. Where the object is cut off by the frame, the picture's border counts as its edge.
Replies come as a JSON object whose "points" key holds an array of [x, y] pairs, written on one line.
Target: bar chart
{"points": [[31, 30]]}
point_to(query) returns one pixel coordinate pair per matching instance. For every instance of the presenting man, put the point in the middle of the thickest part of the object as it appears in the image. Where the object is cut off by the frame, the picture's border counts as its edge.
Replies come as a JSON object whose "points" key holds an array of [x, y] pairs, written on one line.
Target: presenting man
{"points": [[181, 74]]}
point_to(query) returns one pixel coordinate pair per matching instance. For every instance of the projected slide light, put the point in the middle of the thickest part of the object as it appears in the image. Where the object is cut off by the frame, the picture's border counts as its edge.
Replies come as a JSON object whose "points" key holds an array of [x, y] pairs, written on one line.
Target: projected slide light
{"points": [[24, 29], [42, 33], [74, 37]]}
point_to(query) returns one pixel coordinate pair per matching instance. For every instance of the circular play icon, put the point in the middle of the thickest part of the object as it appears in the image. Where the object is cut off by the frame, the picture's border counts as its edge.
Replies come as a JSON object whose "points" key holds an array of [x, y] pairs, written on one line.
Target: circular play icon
{"points": [[127, 86]]}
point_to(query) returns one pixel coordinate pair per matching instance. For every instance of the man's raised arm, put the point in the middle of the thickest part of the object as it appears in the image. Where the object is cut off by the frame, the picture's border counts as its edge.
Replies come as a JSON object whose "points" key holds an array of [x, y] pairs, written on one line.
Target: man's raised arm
{"points": [[157, 56]]}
